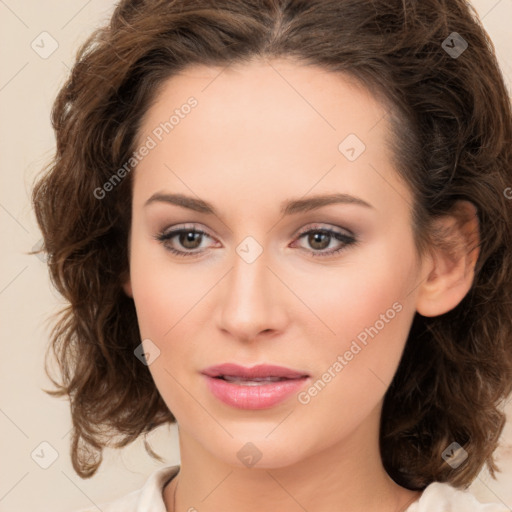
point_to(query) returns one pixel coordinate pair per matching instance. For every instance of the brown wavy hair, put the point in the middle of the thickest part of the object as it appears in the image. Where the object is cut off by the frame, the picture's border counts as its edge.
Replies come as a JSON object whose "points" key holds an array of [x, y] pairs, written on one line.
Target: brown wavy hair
{"points": [[452, 125]]}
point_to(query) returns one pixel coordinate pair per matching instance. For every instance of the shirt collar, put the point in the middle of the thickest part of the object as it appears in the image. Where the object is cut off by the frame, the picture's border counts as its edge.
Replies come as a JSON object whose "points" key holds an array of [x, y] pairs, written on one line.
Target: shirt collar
{"points": [[151, 497]]}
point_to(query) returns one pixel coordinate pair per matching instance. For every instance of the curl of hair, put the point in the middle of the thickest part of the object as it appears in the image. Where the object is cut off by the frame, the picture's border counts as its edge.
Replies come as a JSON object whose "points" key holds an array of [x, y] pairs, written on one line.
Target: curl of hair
{"points": [[452, 127]]}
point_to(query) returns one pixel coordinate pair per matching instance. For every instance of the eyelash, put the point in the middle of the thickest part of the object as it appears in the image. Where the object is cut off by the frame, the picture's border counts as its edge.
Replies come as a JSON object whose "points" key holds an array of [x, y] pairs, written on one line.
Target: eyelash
{"points": [[347, 240]]}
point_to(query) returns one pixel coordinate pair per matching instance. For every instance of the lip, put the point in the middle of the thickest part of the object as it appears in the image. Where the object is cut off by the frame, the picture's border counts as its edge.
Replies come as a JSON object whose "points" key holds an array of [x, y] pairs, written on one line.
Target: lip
{"points": [[253, 396]]}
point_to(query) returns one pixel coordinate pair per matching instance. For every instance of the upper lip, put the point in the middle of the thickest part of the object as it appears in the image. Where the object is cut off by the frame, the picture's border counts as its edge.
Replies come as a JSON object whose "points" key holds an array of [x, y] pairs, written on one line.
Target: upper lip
{"points": [[258, 371]]}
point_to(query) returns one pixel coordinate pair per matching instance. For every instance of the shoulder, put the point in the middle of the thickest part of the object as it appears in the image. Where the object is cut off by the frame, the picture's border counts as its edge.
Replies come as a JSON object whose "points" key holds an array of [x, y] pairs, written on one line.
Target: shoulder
{"points": [[451, 499], [148, 497]]}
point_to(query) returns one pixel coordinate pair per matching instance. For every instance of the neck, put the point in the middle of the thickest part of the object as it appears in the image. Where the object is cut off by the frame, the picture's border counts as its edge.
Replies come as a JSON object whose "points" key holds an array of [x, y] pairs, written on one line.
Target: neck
{"points": [[348, 476]]}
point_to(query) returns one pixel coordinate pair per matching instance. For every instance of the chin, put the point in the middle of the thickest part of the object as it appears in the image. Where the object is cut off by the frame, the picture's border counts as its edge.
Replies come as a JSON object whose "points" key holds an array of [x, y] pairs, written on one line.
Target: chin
{"points": [[255, 452]]}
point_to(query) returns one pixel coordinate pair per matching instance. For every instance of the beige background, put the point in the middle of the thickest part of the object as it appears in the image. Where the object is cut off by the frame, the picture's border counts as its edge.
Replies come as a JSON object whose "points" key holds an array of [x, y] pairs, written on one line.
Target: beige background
{"points": [[28, 416]]}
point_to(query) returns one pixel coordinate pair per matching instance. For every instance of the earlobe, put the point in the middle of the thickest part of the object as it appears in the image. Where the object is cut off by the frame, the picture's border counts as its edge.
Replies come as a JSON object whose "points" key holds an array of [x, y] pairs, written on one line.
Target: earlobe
{"points": [[127, 286], [451, 268]]}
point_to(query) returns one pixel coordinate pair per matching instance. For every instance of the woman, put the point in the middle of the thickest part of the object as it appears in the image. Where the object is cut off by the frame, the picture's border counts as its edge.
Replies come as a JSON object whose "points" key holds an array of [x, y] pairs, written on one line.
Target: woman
{"points": [[290, 233]]}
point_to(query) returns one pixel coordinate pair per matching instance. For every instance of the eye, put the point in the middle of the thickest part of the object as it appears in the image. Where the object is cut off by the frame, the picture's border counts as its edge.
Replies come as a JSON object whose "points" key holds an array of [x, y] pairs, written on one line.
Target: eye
{"points": [[319, 239], [188, 238]]}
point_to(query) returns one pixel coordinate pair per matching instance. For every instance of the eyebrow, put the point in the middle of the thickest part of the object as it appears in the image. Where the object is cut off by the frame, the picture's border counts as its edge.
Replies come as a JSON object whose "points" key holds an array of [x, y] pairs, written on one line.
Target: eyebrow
{"points": [[288, 207]]}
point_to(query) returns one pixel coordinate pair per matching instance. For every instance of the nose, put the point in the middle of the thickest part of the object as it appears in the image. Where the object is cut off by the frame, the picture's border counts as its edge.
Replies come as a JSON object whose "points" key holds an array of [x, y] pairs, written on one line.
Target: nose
{"points": [[252, 300]]}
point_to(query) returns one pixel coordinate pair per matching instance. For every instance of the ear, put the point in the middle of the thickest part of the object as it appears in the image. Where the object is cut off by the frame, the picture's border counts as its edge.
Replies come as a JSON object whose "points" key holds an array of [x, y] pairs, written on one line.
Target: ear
{"points": [[450, 269]]}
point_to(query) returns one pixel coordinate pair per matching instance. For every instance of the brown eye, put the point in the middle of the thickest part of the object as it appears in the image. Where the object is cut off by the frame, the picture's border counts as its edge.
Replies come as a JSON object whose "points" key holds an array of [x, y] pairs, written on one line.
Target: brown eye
{"points": [[319, 239], [182, 241], [188, 239]]}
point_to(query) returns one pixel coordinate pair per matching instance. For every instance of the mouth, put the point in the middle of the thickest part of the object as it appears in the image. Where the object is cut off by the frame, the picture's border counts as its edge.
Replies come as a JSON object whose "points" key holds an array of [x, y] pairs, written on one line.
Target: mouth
{"points": [[258, 387], [255, 381], [260, 373]]}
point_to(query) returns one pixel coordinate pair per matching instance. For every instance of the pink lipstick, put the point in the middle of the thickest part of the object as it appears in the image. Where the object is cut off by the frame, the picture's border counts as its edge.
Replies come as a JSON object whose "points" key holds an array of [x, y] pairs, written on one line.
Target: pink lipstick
{"points": [[258, 387]]}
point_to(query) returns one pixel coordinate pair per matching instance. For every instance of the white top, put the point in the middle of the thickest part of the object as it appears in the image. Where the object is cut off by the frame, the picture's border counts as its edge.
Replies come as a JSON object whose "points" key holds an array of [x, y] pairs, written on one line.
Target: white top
{"points": [[436, 497]]}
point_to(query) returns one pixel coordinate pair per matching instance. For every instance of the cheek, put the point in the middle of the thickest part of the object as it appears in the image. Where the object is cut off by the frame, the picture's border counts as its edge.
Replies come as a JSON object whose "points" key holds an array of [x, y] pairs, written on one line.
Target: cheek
{"points": [[354, 367], [164, 296], [368, 308], [171, 301], [164, 292]]}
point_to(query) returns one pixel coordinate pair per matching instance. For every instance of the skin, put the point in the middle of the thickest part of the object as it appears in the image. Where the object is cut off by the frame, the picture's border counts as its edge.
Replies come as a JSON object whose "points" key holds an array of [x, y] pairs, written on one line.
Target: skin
{"points": [[262, 133]]}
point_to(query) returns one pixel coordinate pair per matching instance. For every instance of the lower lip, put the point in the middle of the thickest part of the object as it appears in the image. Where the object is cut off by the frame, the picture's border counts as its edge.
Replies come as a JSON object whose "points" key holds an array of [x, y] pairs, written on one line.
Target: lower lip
{"points": [[261, 396]]}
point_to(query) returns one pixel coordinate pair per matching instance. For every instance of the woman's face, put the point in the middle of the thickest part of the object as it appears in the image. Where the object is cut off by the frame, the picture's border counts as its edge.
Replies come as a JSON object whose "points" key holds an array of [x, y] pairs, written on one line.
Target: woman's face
{"points": [[278, 166]]}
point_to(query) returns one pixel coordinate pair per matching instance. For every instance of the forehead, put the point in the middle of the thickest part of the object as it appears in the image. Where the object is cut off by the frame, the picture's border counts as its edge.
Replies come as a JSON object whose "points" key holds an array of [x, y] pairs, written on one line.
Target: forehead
{"points": [[279, 93], [260, 125]]}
